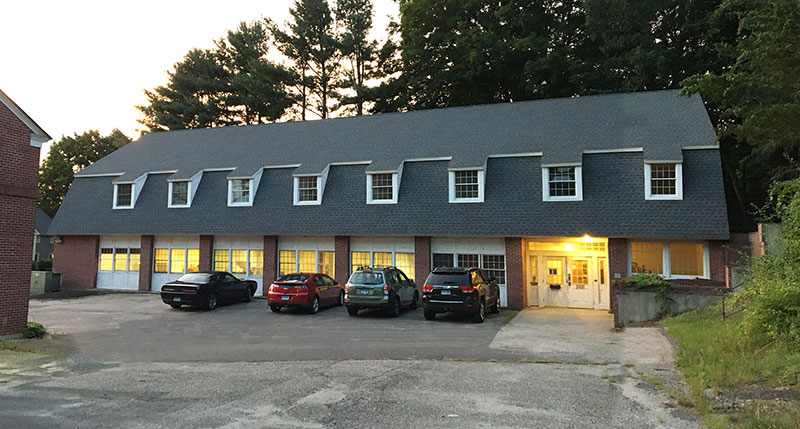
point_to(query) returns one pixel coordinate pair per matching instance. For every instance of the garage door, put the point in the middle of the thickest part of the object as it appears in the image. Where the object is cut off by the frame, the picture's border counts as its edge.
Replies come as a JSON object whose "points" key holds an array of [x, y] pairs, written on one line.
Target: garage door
{"points": [[118, 266]]}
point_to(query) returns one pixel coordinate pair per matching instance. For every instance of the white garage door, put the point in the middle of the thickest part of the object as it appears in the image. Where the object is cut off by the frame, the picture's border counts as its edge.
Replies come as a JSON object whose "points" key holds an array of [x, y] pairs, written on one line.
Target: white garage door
{"points": [[118, 266], [486, 253], [173, 256], [242, 256]]}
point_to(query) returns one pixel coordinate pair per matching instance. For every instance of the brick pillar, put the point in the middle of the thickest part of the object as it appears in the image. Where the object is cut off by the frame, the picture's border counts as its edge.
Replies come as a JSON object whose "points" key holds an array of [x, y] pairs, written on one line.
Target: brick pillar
{"points": [[270, 262], [422, 260], [618, 268], [76, 259], [206, 252], [146, 263], [342, 248], [717, 261], [515, 280]]}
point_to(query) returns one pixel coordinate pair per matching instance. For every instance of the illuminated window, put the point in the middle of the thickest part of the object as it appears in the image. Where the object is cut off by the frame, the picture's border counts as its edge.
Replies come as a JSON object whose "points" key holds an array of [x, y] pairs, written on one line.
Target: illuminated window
{"points": [[287, 262], [360, 259], [405, 263], [686, 259], [192, 260], [221, 259], [579, 269], [495, 265], [327, 263], [177, 263], [307, 261], [256, 262], [647, 258], [601, 270], [106, 259], [120, 259], [555, 274], [238, 261], [135, 259], [382, 259], [161, 260]]}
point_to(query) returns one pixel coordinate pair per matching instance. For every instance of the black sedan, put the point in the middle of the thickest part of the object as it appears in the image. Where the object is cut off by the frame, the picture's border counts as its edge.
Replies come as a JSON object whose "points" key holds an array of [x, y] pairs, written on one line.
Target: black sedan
{"points": [[207, 289]]}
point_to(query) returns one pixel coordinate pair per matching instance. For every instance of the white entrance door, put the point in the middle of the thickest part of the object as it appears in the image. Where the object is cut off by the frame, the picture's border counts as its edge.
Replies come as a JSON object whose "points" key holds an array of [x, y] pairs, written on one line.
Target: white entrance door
{"points": [[603, 290], [581, 288], [554, 290], [533, 283]]}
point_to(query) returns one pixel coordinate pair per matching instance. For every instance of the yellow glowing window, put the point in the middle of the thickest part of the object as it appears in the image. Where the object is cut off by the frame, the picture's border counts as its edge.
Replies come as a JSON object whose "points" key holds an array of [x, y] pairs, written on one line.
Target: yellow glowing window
{"points": [[287, 261], [135, 259], [238, 261], [647, 258], [177, 264], [120, 259], [601, 270], [192, 260], [161, 260], [359, 259], [686, 259], [257, 262], [221, 259], [382, 259], [327, 263], [106, 259], [555, 273], [307, 261], [405, 262], [580, 271]]}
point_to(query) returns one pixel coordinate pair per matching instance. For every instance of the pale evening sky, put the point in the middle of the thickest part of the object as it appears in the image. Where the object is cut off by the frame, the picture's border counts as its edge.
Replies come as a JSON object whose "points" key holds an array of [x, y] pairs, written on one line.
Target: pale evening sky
{"points": [[79, 65]]}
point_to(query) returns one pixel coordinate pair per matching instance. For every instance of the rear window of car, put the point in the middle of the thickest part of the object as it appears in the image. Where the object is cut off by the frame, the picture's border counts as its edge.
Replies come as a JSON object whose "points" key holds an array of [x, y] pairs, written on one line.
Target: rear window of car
{"points": [[299, 278], [194, 278], [367, 278], [448, 278]]}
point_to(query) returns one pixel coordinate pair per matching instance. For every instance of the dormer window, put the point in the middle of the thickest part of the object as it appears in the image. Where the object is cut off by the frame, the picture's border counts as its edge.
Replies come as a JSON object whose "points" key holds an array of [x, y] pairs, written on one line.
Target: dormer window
{"points": [[466, 186], [663, 181], [123, 196], [562, 184], [382, 188], [179, 194], [240, 192], [307, 190]]}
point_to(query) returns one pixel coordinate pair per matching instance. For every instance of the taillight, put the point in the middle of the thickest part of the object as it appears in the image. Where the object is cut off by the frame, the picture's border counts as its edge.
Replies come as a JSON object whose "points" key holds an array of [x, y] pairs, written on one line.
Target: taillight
{"points": [[427, 288], [467, 289], [347, 287], [271, 288], [386, 289]]}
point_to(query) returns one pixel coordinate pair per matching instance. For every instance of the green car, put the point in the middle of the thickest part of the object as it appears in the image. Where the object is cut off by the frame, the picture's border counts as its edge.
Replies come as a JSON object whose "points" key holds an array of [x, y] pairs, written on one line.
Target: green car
{"points": [[387, 288]]}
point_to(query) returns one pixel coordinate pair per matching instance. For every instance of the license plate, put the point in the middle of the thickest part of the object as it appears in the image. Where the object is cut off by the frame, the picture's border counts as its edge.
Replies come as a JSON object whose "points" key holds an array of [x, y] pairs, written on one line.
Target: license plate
{"points": [[177, 299], [445, 292], [285, 297], [363, 291]]}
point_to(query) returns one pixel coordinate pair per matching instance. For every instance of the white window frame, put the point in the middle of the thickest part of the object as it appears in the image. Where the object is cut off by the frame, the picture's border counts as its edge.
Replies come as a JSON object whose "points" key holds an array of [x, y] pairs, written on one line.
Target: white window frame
{"points": [[666, 259], [250, 192], [578, 184], [395, 189], [188, 195], [133, 193], [452, 185], [296, 192], [648, 170]]}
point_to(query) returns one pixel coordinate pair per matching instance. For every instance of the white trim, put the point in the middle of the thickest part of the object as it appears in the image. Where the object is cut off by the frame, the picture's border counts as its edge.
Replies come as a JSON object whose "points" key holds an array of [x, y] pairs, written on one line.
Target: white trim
{"points": [[440, 158], [37, 144], [249, 193], [219, 169], [663, 161], [620, 150], [37, 133], [562, 164], [514, 155], [701, 147], [188, 195], [136, 188], [678, 182], [296, 190], [395, 189], [78, 176], [163, 172], [351, 163], [451, 174], [578, 185]]}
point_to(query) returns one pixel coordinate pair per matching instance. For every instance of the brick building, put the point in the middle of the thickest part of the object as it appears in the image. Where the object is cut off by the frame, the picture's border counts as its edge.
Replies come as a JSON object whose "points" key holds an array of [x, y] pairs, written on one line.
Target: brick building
{"points": [[556, 198], [20, 141]]}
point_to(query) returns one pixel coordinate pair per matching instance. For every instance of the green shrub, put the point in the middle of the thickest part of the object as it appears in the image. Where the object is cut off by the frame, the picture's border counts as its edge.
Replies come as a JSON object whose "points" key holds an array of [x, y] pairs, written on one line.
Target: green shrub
{"points": [[43, 265], [662, 287], [34, 330]]}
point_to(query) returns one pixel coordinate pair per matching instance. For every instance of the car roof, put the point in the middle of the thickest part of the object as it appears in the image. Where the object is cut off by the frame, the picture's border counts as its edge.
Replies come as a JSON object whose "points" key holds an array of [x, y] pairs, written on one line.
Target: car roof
{"points": [[453, 269]]}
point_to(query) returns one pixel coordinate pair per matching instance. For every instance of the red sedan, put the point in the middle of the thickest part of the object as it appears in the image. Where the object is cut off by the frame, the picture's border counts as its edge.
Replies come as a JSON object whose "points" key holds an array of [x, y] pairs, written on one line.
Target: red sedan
{"points": [[309, 291]]}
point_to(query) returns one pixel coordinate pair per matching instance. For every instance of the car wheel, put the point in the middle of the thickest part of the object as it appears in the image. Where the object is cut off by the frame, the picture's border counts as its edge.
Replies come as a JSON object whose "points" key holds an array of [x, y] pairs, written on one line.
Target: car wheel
{"points": [[413, 305], [252, 290], [314, 305], [275, 308], [429, 315], [353, 311], [480, 315], [211, 301], [394, 308], [496, 307], [341, 298], [246, 295], [175, 305]]}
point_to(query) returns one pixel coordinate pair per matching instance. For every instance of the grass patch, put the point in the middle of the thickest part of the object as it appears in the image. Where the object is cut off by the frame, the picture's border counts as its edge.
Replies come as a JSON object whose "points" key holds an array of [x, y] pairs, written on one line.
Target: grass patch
{"points": [[609, 378], [15, 347]]}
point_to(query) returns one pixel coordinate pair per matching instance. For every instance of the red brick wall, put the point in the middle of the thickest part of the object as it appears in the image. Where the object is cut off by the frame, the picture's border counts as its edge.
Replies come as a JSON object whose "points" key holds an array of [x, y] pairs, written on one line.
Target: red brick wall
{"points": [[515, 281], [422, 260], [270, 262], [18, 178], [342, 264], [207, 253], [146, 263], [618, 258], [717, 260], [76, 259]]}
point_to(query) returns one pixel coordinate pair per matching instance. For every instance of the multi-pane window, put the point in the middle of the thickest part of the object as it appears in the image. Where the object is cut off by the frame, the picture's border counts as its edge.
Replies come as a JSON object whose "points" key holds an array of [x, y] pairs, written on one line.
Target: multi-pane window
{"points": [[466, 184], [360, 259], [120, 259], [467, 260], [562, 181], [221, 259], [579, 271], [382, 188], [192, 260], [160, 260], [124, 195], [135, 259], [307, 189], [442, 260], [177, 264], [381, 259], [495, 265], [686, 259], [106, 259], [647, 257], [663, 179], [405, 263], [238, 261], [180, 193], [287, 260], [555, 274], [240, 191], [307, 261], [256, 262], [327, 263]]}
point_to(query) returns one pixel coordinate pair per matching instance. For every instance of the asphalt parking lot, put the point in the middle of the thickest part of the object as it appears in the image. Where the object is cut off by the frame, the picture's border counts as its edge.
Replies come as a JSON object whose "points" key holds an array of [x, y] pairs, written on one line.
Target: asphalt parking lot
{"points": [[129, 360]]}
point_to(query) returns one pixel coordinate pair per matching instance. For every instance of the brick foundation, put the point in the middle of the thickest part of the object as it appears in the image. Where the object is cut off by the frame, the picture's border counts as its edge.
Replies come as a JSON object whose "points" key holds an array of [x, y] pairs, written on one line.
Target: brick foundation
{"points": [[515, 280], [146, 263], [422, 260], [76, 259], [342, 258], [270, 262]]}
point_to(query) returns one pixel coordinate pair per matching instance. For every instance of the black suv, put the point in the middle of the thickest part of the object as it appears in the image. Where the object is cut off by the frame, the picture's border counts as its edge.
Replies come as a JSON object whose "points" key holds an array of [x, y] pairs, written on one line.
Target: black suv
{"points": [[387, 288], [464, 290]]}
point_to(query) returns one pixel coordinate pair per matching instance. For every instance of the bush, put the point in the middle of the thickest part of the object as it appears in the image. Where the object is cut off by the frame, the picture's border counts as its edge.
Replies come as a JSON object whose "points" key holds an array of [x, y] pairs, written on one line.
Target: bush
{"points": [[34, 330], [662, 287], [43, 265]]}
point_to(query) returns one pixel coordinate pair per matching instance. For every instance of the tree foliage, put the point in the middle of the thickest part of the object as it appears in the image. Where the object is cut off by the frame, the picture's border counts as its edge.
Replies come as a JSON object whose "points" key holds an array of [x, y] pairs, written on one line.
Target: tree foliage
{"points": [[354, 19], [68, 156]]}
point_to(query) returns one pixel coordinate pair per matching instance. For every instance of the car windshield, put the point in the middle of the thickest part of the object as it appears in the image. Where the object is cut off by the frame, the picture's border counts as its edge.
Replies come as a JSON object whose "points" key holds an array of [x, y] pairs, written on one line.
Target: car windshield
{"points": [[448, 278], [297, 278], [367, 278], [194, 278]]}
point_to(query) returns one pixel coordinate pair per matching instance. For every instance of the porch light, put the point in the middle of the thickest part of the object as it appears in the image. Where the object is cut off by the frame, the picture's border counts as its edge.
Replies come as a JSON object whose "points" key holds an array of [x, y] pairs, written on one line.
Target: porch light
{"points": [[586, 238], [568, 247]]}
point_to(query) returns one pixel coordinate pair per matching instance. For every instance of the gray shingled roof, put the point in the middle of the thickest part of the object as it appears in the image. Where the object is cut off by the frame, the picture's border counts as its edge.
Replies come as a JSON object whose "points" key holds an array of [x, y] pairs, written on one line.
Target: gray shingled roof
{"points": [[42, 221]]}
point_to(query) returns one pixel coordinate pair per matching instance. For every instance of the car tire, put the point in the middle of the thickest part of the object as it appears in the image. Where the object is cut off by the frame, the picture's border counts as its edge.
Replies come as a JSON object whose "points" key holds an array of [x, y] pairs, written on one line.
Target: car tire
{"points": [[413, 305], [340, 302], [211, 301], [246, 296], [394, 308], [353, 311], [496, 307], [175, 305], [314, 305], [480, 315], [429, 315], [252, 290], [275, 308]]}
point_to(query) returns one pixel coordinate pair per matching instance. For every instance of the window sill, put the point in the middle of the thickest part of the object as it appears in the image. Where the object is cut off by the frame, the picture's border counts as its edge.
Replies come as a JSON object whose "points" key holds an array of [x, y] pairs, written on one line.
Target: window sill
{"points": [[179, 207], [123, 207], [558, 199], [663, 197], [240, 205], [307, 203], [466, 200], [381, 201]]}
